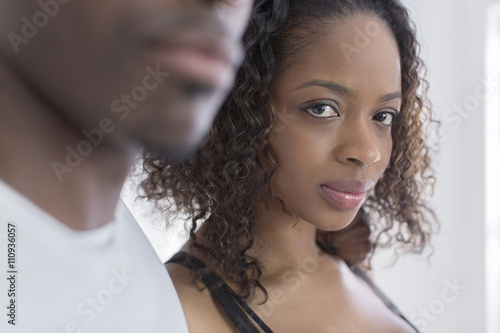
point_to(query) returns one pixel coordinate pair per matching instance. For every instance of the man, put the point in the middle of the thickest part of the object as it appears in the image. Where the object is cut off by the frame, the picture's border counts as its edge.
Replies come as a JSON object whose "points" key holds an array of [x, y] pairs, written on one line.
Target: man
{"points": [[84, 86]]}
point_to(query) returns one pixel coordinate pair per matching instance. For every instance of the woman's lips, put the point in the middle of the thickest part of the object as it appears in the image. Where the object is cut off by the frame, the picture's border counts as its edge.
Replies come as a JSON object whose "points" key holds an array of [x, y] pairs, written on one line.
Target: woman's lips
{"points": [[347, 195]]}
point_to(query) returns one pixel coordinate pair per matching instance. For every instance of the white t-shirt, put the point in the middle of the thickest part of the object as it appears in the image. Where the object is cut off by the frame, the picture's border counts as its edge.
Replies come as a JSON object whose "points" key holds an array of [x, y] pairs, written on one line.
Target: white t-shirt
{"points": [[57, 280]]}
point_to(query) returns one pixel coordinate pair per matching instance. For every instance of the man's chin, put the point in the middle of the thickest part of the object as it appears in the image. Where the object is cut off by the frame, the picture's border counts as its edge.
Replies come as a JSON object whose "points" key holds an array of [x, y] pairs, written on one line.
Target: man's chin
{"points": [[169, 153]]}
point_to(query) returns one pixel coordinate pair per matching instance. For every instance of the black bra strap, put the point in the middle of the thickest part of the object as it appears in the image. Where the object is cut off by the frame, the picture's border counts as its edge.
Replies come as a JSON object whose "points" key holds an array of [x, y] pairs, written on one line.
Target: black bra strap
{"points": [[227, 298], [360, 273]]}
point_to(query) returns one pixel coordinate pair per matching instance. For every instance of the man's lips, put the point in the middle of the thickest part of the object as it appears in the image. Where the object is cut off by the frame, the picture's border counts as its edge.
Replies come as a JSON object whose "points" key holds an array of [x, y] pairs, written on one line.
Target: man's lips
{"points": [[348, 194], [209, 42], [201, 54], [195, 65]]}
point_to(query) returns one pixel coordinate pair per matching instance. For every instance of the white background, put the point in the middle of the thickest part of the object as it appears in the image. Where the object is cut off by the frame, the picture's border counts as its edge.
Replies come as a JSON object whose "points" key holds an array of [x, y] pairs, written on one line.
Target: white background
{"points": [[453, 35]]}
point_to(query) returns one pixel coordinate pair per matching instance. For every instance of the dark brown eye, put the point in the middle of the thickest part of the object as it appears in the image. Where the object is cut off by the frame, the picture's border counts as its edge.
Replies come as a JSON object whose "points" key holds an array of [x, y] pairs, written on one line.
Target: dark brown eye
{"points": [[385, 117], [322, 110]]}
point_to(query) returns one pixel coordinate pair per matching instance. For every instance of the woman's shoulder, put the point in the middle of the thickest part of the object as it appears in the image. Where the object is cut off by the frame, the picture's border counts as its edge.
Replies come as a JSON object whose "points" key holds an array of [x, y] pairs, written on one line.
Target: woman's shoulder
{"points": [[203, 314]]}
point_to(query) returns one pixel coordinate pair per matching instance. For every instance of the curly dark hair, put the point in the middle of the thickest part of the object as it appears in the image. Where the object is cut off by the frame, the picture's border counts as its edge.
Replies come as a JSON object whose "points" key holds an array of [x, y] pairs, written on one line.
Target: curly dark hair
{"points": [[218, 185]]}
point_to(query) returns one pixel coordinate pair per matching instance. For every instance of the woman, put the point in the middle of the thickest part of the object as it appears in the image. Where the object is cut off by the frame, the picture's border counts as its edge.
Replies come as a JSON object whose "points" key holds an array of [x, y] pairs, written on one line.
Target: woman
{"points": [[326, 116]]}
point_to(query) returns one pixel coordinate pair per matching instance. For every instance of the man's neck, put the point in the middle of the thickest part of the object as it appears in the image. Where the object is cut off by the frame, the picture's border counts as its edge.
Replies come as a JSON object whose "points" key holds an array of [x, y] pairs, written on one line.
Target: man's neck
{"points": [[33, 155]]}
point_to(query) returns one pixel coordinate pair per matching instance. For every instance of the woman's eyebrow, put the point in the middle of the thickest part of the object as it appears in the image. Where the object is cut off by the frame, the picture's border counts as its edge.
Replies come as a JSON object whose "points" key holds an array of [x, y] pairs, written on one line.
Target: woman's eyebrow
{"points": [[335, 87], [390, 97], [343, 90]]}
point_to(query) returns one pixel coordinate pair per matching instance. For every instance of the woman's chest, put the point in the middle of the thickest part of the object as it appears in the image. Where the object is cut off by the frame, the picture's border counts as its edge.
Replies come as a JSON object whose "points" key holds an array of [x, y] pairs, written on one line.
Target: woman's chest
{"points": [[321, 305]]}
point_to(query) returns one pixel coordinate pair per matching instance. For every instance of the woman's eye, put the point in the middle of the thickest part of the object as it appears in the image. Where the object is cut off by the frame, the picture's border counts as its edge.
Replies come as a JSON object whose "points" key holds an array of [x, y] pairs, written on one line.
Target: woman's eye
{"points": [[385, 118], [322, 111]]}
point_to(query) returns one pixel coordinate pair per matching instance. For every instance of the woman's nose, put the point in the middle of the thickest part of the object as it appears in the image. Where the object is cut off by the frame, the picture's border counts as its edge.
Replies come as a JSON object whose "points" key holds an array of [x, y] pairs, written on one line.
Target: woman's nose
{"points": [[358, 145]]}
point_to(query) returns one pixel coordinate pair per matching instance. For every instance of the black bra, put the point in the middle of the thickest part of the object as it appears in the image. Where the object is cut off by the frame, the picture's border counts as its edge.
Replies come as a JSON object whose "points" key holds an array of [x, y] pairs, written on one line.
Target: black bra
{"points": [[239, 311]]}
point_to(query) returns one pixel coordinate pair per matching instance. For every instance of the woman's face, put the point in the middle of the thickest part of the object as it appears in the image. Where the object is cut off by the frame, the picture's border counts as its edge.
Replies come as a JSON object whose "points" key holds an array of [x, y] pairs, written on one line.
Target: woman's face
{"points": [[332, 137]]}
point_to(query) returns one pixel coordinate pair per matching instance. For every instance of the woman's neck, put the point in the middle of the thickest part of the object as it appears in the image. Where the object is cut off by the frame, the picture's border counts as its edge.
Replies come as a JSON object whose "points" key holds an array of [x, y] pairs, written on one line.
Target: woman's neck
{"points": [[284, 242]]}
